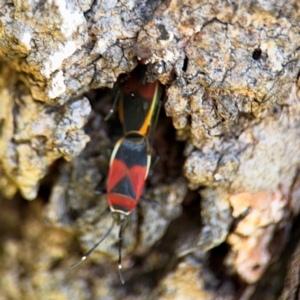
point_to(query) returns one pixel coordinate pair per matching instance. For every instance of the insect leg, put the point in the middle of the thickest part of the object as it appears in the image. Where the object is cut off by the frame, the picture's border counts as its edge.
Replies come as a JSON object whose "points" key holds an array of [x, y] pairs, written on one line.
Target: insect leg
{"points": [[120, 253], [95, 246], [116, 99]]}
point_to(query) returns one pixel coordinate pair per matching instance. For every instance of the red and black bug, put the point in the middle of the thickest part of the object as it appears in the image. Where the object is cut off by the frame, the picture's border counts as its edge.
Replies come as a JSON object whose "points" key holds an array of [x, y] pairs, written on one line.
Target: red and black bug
{"points": [[131, 158], [129, 166], [138, 101]]}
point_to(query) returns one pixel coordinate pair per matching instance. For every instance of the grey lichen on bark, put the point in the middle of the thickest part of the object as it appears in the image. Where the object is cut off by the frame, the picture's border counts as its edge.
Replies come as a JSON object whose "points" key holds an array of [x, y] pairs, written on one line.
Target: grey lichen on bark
{"points": [[230, 70]]}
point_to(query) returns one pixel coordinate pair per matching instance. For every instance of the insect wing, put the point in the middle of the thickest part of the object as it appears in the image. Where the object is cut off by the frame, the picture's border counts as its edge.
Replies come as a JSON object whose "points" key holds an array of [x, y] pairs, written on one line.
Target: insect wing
{"points": [[138, 101], [128, 171]]}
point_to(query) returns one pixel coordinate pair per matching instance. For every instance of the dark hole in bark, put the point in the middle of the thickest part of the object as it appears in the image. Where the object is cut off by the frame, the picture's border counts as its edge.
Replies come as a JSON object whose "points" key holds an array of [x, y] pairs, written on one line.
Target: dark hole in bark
{"points": [[276, 110], [257, 54], [185, 64], [48, 181], [216, 263]]}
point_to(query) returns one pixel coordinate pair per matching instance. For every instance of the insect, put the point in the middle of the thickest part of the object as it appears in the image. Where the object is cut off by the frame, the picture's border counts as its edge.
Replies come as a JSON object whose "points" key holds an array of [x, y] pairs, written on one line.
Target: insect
{"points": [[138, 101], [131, 157], [129, 166]]}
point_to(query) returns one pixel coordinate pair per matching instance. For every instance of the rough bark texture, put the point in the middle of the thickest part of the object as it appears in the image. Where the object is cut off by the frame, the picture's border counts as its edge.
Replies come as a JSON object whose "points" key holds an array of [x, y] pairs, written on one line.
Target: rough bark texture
{"points": [[230, 73]]}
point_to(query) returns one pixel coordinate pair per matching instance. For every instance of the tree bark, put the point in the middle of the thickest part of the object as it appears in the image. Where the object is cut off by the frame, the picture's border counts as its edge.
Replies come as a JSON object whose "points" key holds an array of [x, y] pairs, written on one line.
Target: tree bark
{"points": [[230, 72]]}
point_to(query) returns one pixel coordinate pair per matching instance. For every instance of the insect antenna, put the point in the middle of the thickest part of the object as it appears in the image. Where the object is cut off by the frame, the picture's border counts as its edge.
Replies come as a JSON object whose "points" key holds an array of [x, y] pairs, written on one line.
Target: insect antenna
{"points": [[112, 110], [94, 247], [120, 253]]}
